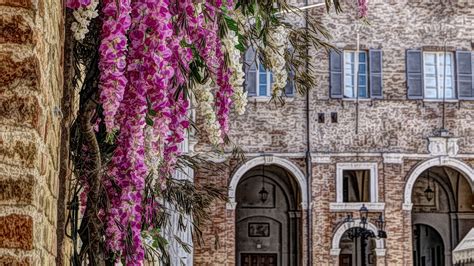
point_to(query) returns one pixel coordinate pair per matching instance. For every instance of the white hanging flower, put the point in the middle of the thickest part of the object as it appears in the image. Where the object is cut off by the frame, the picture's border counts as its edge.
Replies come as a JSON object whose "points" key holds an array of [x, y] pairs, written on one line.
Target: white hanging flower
{"points": [[83, 17], [152, 158], [204, 106], [275, 51], [237, 79]]}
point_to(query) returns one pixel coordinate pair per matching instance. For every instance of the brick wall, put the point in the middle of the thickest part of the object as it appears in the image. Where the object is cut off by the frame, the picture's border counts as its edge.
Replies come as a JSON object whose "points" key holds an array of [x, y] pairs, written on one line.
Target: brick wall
{"points": [[30, 94], [393, 124]]}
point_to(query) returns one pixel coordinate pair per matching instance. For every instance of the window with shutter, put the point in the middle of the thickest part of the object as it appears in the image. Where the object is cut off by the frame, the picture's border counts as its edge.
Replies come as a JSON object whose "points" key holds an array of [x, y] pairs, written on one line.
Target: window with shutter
{"points": [[465, 75], [343, 68], [250, 66], [375, 69], [335, 66], [414, 68], [258, 80], [440, 75]]}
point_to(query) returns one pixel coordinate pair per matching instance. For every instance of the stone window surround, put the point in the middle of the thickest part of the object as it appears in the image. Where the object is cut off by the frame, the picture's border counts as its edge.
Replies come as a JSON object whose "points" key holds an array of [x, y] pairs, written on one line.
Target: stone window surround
{"points": [[373, 205]]}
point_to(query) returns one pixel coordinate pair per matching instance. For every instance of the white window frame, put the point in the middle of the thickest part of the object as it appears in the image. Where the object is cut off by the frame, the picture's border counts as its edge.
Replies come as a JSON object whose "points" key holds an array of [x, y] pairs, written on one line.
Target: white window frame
{"points": [[257, 81], [373, 205], [354, 85], [439, 73]]}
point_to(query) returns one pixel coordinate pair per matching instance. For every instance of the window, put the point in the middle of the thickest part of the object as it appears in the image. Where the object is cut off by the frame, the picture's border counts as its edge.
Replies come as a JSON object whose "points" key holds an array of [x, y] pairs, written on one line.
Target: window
{"points": [[434, 70], [356, 184], [350, 88], [426, 75], [354, 75], [258, 80]]}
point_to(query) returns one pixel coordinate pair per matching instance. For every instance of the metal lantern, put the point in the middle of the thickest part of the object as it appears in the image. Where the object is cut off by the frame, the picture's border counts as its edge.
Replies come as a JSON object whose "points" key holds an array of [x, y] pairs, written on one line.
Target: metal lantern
{"points": [[263, 192], [364, 212], [429, 193], [381, 227]]}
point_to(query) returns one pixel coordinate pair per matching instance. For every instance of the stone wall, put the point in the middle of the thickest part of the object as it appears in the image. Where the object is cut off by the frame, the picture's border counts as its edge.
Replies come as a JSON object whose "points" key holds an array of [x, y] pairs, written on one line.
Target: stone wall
{"points": [[31, 37], [392, 126]]}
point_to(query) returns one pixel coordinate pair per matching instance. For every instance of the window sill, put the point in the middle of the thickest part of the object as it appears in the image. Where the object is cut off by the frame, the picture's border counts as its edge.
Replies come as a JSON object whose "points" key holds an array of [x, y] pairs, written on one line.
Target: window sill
{"points": [[355, 99], [440, 100], [355, 206], [262, 99]]}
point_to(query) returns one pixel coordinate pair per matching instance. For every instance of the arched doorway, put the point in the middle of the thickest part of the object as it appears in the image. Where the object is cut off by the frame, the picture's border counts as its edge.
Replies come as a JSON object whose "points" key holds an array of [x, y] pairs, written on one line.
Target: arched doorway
{"points": [[346, 251], [442, 214], [268, 231], [428, 246], [356, 251]]}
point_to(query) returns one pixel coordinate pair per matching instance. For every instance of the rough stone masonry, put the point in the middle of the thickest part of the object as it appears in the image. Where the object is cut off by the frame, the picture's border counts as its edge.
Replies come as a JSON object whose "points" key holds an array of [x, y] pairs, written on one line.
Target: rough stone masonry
{"points": [[31, 54]]}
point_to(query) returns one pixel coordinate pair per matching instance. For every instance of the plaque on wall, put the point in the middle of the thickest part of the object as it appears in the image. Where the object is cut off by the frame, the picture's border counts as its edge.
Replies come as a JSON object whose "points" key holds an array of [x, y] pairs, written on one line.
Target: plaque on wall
{"points": [[259, 229]]}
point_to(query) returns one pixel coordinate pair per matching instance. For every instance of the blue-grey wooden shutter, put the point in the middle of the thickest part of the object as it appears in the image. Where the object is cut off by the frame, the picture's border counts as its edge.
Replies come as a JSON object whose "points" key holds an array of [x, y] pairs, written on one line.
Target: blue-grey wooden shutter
{"points": [[375, 75], [250, 66], [336, 74], [464, 75], [290, 85], [414, 68]]}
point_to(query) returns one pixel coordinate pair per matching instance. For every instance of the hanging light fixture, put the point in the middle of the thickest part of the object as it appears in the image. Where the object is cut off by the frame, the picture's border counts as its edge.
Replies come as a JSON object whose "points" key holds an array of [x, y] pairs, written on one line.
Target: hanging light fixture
{"points": [[380, 222], [263, 192], [364, 213], [429, 193]]}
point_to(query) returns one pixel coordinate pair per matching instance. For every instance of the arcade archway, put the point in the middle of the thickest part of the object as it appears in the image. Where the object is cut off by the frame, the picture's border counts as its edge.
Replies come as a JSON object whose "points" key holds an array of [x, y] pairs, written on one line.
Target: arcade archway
{"points": [[268, 227]]}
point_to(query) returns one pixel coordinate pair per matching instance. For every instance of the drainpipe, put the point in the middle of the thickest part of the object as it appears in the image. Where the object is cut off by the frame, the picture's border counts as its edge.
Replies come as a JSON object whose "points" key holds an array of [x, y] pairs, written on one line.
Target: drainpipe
{"points": [[309, 170]]}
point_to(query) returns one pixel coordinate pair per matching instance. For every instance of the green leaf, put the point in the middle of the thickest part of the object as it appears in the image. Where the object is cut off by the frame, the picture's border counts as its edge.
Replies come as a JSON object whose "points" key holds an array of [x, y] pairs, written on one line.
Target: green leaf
{"points": [[231, 24], [258, 24], [240, 47], [149, 121]]}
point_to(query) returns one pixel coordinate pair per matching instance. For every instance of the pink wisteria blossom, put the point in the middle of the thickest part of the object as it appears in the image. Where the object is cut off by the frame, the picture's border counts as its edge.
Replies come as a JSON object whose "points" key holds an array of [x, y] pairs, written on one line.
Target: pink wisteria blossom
{"points": [[75, 4], [146, 51], [363, 8]]}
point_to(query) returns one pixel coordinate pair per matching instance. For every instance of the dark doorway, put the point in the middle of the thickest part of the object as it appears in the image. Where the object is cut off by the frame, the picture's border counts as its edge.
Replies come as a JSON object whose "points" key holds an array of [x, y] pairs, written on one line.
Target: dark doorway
{"points": [[428, 246], [258, 259], [345, 260], [269, 225]]}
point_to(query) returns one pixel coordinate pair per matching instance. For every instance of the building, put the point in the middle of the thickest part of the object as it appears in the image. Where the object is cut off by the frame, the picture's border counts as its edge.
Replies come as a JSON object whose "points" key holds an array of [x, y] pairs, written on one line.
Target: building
{"points": [[384, 149]]}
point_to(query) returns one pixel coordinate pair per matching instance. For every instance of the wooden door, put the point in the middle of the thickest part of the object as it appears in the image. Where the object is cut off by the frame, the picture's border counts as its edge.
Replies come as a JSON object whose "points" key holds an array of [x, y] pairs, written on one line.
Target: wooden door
{"points": [[247, 259], [345, 260]]}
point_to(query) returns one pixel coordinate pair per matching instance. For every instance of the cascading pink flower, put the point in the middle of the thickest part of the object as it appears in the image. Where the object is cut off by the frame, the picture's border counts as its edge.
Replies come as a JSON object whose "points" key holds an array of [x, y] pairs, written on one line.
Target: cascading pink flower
{"points": [[363, 8], [145, 55], [113, 51], [75, 4]]}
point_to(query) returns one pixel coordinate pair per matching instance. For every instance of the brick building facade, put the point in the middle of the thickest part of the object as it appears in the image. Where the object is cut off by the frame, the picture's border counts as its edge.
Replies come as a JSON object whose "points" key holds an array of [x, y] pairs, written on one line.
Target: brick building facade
{"points": [[384, 149]]}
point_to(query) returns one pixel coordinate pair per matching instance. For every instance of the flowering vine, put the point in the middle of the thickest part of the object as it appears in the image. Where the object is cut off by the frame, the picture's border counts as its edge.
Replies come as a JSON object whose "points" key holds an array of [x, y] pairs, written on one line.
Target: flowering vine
{"points": [[153, 54], [205, 101], [278, 42], [239, 97], [83, 16], [363, 8]]}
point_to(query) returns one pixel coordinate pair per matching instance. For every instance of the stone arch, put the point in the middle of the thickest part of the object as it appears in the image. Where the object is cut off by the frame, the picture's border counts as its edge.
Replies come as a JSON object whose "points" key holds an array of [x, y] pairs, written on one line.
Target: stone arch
{"points": [[268, 160], [336, 238], [460, 166]]}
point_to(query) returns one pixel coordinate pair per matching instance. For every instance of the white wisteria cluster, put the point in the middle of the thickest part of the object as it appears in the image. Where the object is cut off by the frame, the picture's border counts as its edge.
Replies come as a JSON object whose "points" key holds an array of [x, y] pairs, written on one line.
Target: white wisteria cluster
{"points": [[204, 106], [237, 79], [275, 51], [83, 17], [152, 158]]}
